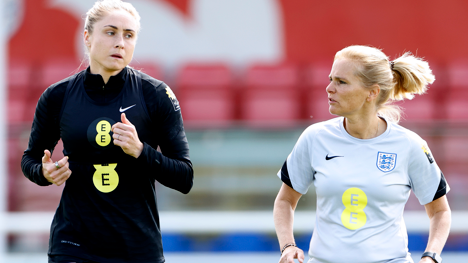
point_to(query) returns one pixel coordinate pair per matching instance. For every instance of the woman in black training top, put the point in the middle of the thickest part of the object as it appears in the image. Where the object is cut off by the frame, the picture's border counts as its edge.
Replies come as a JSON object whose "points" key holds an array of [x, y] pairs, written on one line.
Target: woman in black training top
{"points": [[111, 119]]}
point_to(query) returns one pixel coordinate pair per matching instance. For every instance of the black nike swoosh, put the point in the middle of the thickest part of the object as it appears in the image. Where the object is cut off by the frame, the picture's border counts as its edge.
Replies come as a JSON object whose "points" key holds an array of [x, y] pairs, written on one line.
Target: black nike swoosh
{"points": [[331, 157]]}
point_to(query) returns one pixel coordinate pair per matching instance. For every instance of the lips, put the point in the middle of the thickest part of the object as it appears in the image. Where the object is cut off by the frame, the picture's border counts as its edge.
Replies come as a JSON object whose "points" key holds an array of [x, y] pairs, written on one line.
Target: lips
{"points": [[331, 100], [116, 56]]}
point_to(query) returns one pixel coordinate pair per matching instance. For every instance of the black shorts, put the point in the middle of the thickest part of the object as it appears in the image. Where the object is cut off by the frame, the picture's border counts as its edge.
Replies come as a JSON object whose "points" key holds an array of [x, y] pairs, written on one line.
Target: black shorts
{"points": [[68, 259]]}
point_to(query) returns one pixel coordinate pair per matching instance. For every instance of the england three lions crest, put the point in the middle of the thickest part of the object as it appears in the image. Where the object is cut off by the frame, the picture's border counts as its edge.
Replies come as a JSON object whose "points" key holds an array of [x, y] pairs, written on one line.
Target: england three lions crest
{"points": [[386, 161]]}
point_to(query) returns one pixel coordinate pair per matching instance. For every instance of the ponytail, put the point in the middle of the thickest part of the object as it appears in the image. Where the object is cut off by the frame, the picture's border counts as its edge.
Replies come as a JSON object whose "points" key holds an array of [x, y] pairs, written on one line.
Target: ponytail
{"points": [[411, 75]]}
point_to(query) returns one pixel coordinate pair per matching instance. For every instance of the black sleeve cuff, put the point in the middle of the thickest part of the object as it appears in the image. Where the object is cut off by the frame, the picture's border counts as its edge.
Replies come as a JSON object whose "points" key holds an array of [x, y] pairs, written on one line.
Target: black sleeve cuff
{"points": [[172, 173], [442, 189], [285, 174], [40, 179], [150, 157]]}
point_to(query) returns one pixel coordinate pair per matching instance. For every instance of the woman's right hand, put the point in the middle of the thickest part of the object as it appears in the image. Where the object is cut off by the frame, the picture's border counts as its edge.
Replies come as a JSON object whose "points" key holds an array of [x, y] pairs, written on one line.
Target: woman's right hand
{"points": [[55, 175], [290, 253]]}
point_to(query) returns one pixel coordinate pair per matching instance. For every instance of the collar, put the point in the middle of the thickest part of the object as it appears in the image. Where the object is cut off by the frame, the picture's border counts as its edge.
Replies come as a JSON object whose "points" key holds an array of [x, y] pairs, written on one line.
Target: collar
{"points": [[96, 81]]}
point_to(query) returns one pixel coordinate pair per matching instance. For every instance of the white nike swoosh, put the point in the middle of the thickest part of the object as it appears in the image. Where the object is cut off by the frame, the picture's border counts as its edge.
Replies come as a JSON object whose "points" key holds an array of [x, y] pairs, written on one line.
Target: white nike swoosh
{"points": [[122, 110]]}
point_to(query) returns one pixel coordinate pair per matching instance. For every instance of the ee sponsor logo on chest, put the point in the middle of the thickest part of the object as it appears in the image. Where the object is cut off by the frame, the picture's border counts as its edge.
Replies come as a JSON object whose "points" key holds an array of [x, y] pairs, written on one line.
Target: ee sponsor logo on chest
{"points": [[354, 200], [105, 178]]}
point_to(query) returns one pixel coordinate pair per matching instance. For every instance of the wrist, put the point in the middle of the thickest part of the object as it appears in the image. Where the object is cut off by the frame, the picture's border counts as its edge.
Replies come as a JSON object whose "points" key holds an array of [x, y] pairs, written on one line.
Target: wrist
{"points": [[139, 150], [431, 256], [287, 246]]}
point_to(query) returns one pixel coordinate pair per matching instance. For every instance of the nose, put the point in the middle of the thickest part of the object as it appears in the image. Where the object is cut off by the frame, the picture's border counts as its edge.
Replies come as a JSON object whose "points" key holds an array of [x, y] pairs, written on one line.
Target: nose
{"points": [[330, 88], [120, 42]]}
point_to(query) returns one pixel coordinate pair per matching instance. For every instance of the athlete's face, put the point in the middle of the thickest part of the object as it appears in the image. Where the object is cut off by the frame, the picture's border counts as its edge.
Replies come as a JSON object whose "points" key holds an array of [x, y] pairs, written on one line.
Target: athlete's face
{"points": [[112, 42], [347, 96]]}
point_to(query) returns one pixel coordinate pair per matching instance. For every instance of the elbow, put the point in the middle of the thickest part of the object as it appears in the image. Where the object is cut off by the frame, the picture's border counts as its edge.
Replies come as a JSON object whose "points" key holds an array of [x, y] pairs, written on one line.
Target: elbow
{"points": [[188, 183], [185, 190]]}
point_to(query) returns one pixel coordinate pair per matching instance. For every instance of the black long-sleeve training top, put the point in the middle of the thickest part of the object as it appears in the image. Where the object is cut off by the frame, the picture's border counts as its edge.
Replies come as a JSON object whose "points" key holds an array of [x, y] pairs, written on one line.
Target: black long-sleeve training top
{"points": [[108, 210]]}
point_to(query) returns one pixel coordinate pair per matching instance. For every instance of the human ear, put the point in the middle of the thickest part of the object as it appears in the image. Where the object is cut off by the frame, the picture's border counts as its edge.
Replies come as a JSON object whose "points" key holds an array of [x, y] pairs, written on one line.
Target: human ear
{"points": [[86, 38], [373, 92]]}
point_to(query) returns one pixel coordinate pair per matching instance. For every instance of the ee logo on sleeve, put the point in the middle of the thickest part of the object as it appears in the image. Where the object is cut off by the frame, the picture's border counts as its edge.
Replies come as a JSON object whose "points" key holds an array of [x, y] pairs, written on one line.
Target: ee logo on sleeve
{"points": [[355, 200]]}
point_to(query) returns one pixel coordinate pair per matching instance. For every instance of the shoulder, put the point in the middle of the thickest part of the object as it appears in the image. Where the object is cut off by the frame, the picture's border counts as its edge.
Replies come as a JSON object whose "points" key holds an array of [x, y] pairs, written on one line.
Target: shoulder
{"points": [[149, 81], [149, 84], [404, 133], [156, 94], [318, 131], [333, 124], [407, 137], [323, 128], [152, 87]]}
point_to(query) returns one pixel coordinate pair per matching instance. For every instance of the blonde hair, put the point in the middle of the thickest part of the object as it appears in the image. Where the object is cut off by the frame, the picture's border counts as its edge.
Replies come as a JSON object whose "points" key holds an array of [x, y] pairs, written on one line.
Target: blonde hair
{"points": [[399, 79], [103, 7]]}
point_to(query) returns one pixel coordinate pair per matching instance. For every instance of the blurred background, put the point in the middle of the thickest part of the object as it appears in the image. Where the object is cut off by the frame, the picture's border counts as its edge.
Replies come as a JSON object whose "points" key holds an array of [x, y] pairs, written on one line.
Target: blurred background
{"points": [[250, 76]]}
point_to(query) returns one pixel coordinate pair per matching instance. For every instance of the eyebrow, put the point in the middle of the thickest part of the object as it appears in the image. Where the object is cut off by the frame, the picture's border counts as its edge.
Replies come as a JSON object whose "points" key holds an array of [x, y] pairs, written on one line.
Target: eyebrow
{"points": [[114, 27], [336, 77]]}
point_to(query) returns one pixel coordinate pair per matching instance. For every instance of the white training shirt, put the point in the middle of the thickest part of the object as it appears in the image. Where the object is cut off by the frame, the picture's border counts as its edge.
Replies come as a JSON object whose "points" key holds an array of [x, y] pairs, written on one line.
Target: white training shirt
{"points": [[362, 187]]}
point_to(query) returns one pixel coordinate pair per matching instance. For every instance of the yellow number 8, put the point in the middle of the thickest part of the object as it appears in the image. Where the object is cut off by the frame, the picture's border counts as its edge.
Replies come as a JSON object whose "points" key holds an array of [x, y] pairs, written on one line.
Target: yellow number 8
{"points": [[355, 200]]}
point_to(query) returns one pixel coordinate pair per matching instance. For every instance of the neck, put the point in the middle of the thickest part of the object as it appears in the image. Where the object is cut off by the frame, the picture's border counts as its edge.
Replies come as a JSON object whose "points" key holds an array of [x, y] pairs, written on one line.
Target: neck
{"points": [[364, 128], [105, 73]]}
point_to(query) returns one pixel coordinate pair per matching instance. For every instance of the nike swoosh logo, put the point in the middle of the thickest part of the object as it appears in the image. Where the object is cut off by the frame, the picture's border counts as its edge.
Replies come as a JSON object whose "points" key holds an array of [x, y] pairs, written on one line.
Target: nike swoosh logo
{"points": [[331, 157], [122, 110]]}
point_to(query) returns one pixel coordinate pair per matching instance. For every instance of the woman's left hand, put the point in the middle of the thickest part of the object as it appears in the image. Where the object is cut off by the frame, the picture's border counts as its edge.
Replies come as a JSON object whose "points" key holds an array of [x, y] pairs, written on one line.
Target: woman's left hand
{"points": [[126, 136]]}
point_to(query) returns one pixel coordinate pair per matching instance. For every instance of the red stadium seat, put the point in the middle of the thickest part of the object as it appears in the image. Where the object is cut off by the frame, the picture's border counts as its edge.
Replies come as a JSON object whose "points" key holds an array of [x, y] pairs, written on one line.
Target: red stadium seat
{"points": [[456, 73], [205, 108], [457, 104], [47, 74], [455, 155], [17, 103], [421, 107], [457, 95], [272, 76], [271, 108], [206, 96], [271, 97], [56, 70], [315, 94], [317, 74], [317, 105], [215, 75], [149, 68], [18, 75]]}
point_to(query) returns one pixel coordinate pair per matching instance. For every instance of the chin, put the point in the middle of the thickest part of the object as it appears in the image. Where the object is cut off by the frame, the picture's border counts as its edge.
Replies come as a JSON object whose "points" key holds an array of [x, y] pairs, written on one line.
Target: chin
{"points": [[115, 67], [334, 112]]}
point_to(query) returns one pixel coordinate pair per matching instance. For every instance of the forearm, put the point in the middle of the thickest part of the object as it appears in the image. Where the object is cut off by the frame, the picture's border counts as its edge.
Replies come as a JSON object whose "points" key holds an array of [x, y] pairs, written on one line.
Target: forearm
{"points": [[45, 133], [170, 172], [439, 231], [283, 216]]}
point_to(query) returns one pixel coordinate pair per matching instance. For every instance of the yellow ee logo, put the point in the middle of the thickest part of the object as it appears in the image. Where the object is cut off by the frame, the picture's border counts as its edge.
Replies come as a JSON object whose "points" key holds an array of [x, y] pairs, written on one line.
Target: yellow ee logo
{"points": [[105, 178], [99, 133], [103, 129], [355, 200]]}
